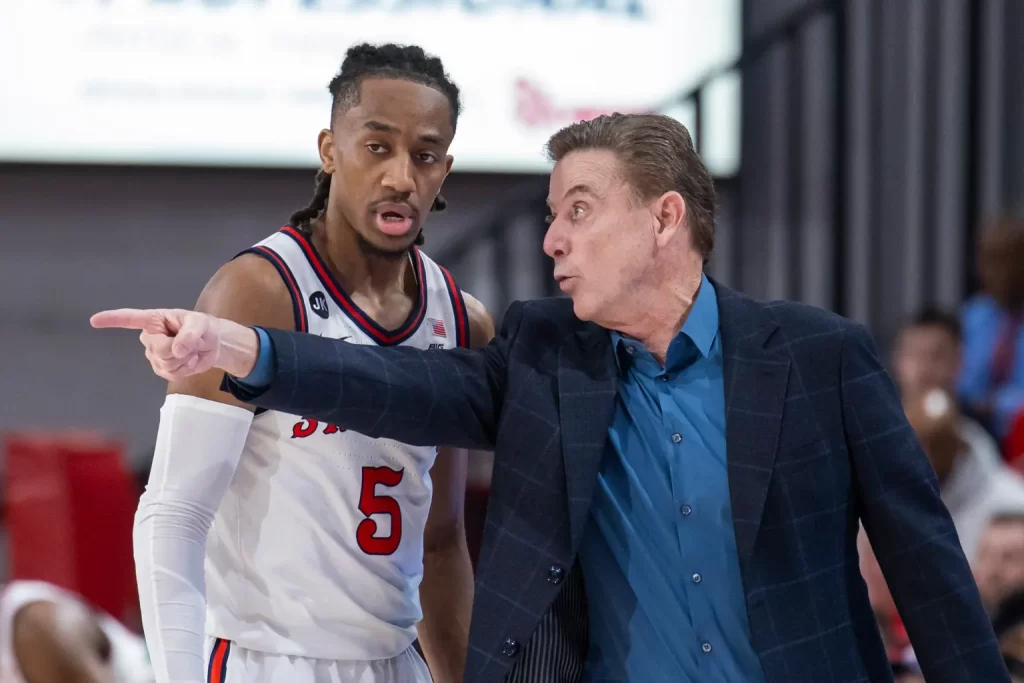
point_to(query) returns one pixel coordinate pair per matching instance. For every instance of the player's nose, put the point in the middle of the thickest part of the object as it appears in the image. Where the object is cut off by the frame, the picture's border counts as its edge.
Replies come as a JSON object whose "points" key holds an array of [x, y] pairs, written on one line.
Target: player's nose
{"points": [[400, 176]]}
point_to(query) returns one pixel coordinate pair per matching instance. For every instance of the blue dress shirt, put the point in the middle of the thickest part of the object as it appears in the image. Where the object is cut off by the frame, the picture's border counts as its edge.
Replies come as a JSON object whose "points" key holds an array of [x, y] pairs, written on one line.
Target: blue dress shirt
{"points": [[658, 554], [263, 370], [983, 323]]}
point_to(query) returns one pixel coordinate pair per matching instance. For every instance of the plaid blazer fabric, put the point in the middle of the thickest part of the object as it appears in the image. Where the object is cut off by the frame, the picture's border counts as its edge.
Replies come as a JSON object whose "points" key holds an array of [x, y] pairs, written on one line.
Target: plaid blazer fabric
{"points": [[816, 444]]}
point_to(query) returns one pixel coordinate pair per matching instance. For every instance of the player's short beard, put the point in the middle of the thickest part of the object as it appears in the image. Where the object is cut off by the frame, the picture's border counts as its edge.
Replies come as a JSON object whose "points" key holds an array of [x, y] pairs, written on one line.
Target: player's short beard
{"points": [[372, 251]]}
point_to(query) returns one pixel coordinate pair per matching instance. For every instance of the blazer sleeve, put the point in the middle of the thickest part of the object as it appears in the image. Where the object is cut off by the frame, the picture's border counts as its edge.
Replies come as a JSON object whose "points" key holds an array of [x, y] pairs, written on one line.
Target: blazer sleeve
{"points": [[416, 396], [910, 530]]}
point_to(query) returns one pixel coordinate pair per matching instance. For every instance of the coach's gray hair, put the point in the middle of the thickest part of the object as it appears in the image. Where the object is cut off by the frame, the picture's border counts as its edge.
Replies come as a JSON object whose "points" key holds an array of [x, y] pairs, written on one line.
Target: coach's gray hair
{"points": [[657, 156]]}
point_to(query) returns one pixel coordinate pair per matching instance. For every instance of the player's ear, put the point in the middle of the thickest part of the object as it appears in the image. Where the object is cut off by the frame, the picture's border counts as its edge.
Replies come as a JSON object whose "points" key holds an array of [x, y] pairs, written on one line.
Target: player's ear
{"points": [[325, 145]]}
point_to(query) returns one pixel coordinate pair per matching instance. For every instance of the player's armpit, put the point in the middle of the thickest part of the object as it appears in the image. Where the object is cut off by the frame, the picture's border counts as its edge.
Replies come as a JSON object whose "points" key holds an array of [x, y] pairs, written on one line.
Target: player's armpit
{"points": [[249, 291], [60, 643]]}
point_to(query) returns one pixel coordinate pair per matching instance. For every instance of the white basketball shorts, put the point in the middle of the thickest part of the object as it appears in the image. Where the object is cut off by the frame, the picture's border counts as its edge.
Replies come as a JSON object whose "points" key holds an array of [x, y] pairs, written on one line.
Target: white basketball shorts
{"points": [[228, 663]]}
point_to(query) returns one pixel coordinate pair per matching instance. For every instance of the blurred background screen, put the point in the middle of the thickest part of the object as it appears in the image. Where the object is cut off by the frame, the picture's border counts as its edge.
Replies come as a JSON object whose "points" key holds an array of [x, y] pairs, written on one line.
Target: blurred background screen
{"points": [[242, 82]]}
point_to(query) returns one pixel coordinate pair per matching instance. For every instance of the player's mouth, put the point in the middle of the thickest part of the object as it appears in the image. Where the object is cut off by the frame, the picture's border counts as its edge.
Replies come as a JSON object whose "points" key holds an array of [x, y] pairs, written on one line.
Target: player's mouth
{"points": [[395, 220]]}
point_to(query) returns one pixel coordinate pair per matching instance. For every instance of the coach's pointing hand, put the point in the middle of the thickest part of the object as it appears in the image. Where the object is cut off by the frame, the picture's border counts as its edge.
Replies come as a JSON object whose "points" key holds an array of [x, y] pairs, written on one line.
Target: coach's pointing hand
{"points": [[183, 343]]}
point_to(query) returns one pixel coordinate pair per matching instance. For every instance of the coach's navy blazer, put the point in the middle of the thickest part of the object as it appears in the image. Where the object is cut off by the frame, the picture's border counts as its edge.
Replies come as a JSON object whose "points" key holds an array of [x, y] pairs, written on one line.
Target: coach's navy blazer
{"points": [[816, 440]]}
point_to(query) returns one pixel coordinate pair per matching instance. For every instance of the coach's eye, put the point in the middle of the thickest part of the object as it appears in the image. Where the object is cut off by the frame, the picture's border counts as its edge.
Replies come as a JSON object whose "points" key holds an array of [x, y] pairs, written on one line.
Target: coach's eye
{"points": [[577, 211]]}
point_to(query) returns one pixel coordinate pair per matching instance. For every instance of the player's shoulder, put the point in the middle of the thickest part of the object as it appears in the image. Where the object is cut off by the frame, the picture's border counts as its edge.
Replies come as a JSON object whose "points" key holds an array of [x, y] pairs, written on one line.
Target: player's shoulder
{"points": [[481, 322], [248, 289]]}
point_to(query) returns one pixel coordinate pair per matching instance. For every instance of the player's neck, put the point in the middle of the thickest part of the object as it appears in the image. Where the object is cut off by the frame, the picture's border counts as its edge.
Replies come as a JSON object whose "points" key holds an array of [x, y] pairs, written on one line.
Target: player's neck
{"points": [[355, 270]]}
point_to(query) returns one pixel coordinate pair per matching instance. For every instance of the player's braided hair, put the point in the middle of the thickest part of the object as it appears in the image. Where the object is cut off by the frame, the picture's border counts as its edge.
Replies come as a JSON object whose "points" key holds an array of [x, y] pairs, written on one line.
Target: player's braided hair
{"points": [[405, 62]]}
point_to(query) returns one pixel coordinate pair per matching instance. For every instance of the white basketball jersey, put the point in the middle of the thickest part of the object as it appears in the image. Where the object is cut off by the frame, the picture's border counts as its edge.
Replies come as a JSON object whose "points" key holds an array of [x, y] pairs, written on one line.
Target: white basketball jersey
{"points": [[129, 659], [317, 547]]}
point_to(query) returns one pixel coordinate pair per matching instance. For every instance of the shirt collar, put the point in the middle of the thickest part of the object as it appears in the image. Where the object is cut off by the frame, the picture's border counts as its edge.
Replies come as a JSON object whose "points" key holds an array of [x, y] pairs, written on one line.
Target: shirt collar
{"points": [[700, 328]]}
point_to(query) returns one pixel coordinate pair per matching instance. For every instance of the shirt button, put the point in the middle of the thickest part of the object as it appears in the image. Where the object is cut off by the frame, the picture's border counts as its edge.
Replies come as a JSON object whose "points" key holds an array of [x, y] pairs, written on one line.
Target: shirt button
{"points": [[630, 350], [677, 437], [696, 578], [706, 648], [664, 378], [555, 574], [510, 648], [686, 510]]}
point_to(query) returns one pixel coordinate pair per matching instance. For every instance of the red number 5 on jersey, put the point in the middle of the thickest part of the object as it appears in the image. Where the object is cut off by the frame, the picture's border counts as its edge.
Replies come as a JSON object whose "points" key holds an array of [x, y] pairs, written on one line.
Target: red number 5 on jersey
{"points": [[372, 504]]}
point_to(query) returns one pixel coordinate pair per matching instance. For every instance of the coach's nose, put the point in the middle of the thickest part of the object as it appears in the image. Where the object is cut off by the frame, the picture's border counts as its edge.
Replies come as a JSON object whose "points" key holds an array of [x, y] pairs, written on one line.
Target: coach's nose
{"points": [[399, 175], [555, 243]]}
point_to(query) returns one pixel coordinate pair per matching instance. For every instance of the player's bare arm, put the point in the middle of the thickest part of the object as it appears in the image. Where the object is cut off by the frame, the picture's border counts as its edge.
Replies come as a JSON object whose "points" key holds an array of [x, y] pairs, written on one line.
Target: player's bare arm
{"points": [[201, 437], [248, 291], [446, 593], [60, 643]]}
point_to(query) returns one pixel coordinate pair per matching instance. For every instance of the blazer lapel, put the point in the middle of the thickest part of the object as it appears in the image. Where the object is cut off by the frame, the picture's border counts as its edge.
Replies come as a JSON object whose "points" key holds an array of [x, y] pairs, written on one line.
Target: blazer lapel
{"points": [[756, 373], [586, 399]]}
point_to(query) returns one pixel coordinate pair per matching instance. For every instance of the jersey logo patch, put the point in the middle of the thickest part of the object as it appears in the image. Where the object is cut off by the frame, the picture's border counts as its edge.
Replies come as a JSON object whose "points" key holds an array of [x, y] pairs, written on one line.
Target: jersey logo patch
{"points": [[437, 327], [318, 304]]}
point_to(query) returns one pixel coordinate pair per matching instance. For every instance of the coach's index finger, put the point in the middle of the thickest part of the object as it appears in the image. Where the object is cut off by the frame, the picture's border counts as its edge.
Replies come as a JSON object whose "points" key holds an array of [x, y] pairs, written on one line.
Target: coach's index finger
{"points": [[126, 318]]}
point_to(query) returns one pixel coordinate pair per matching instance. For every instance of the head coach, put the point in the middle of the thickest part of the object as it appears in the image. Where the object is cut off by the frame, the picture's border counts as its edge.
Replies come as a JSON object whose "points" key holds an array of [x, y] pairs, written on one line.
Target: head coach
{"points": [[680, 471]]}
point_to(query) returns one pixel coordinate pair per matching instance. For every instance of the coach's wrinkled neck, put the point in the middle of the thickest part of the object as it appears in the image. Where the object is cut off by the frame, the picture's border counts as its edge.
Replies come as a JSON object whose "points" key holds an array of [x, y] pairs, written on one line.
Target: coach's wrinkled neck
{"points": [[657, 310]]}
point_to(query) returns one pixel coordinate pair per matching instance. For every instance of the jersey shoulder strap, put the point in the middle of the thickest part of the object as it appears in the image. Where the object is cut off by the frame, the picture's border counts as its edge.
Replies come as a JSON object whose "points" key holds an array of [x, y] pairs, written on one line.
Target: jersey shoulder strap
{"points": [[284, 251], [441, 287]]}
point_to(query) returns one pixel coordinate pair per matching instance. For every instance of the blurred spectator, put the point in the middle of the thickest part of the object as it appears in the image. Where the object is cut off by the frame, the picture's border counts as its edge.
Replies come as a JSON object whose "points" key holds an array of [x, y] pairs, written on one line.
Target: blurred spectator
{"points": [[999, 567], [927, 352], [992, 376], [974, 482], [926, 356], [1009, 628]]}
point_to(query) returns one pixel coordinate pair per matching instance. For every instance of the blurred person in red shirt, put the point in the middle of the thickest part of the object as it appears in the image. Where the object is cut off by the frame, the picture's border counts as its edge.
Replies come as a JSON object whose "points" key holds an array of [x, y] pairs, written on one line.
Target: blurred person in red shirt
{"points": [[1013, 446], [992, 377]]}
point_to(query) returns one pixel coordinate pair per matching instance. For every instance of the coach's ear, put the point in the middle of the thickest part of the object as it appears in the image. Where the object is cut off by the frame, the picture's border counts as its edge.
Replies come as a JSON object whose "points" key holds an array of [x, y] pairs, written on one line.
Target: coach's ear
{"points": [[668, 213]]}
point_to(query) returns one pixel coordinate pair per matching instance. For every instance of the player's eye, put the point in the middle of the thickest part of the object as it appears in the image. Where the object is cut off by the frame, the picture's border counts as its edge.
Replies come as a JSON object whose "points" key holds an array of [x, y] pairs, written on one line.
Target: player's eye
{"points": [[428, 157], [376, 148]]}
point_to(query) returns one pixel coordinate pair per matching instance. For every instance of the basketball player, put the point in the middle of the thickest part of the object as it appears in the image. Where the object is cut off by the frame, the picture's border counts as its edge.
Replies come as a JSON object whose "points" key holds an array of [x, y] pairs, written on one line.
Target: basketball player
{"points": [[314, 538], [49, 635]]}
